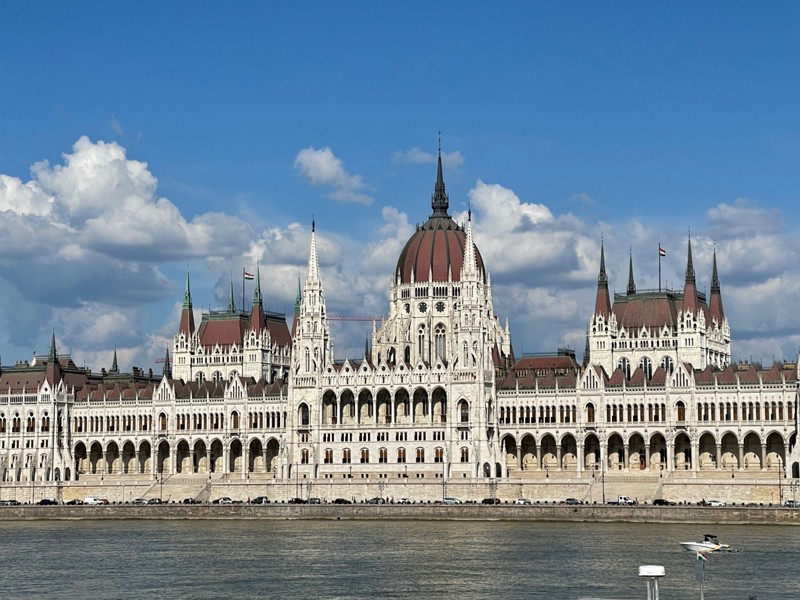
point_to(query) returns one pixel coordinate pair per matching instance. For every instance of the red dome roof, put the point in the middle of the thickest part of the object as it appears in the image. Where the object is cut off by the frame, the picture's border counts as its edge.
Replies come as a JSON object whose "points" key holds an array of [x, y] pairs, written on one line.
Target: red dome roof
{"points": [[436, 250]]}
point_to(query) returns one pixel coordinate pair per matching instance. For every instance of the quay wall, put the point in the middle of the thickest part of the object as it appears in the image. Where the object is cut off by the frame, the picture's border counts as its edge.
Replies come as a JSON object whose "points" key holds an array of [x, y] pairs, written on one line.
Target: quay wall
{"points": [[414, 512]]}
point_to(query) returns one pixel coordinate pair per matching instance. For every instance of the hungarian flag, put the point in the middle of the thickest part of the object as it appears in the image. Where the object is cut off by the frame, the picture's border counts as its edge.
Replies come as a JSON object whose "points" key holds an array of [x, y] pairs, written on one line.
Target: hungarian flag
{"points": [[661, 251], [701, 556], [249, 276]]}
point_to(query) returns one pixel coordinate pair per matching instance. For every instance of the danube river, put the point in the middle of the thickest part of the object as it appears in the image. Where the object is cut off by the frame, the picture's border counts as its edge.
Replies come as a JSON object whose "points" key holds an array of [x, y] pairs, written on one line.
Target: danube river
{"points": [[385, 559]]}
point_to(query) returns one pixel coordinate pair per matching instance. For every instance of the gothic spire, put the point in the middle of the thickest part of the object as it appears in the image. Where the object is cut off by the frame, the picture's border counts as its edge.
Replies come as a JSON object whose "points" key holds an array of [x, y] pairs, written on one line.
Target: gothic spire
{"points": [[231, 302], [187, 295], [187, 314], [631, 283], [470, 263], [690, 285], [114, 364], [717, 312], [257, 299], [53, 356], [602, 304], [167, 371], [313, 262], [440, 201]]}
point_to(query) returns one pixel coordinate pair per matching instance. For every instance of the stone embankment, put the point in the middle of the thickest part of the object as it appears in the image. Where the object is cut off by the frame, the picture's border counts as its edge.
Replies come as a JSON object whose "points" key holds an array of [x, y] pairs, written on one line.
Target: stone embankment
{"points": [[471, 512]]}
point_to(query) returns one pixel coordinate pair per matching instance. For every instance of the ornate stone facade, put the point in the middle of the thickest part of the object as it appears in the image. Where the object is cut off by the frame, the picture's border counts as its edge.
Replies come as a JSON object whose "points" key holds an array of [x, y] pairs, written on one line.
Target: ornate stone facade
{"points": [[438, 397]]}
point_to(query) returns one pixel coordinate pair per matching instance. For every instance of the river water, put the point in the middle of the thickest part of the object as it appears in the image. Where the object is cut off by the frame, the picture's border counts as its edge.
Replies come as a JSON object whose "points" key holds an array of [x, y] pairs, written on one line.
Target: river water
{"points": [[386, 559]]}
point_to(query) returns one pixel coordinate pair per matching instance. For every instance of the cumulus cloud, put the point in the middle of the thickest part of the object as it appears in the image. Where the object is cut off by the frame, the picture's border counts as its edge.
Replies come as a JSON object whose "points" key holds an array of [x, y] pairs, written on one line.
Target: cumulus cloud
{"points": [[417, 156], [84, 242], [324, 169]]}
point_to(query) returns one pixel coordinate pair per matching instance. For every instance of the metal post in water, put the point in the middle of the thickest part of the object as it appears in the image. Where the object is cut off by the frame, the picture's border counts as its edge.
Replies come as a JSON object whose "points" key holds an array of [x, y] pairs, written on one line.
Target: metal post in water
{"points": [[653, 573]]}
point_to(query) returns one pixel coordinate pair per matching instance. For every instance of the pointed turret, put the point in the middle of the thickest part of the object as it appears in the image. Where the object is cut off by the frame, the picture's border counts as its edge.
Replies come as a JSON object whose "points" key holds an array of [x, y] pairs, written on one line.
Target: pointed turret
{"points": [[297, 302], [470, 268], [631, 283], [312, 334], [690, 285], [231, 301], [114, 364], [257, 320], [187, 314], [717, 312], [167, 371], [53, 372], [602, 303], [439, 201]]}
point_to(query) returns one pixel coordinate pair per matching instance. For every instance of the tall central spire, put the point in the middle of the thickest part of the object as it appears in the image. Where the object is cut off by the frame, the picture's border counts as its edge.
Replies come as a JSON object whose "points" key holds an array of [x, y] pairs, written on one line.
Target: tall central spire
{"points": [[439, 201], [602, 303], [631, 283]]}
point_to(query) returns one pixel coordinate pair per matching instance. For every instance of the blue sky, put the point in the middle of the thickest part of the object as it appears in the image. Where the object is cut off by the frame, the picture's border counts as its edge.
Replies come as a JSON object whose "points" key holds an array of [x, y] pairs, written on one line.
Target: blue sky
{"points": [[137, 139]]}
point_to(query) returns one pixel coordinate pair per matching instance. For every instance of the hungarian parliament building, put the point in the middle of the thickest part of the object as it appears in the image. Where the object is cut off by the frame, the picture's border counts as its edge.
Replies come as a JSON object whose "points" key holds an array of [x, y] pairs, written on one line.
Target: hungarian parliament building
{"points": [[438, 393]]}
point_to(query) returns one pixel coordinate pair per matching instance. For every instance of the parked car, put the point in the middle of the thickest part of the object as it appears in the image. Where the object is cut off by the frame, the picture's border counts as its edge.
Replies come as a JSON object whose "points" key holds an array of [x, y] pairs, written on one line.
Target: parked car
{"points": [[47, 502], [342, 501], [298, 501], [154, 501], [190, 501], [522, 501], [74, 502], [223, 500], [451, 500], [490, 501], [715, 503], [572, 501], [260, 500], [376, 501], [139, 501], [92, 501], [792, 504], [315, 501], [403, 501], [662, 502], [9, 502]]}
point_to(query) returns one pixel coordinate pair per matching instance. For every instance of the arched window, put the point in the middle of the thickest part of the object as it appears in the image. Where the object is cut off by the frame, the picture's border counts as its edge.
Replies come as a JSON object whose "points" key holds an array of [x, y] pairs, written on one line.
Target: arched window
{"points": [[681, 412], [421, 342], [234, 420], [463, 411], [646, 365], [464, 455], [420, 455], [625, 365], [304, 456], [200, 377], [365, 455], [346, 456], [441, 343], [438, 455], [668, 364], [303, 415], [383, 455], [590, 413], [401, 455]]}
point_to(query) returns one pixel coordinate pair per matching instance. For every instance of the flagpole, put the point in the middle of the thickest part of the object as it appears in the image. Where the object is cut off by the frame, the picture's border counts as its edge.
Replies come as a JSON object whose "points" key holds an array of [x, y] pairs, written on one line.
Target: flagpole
{"points": [[243, 288], [659, 267]]}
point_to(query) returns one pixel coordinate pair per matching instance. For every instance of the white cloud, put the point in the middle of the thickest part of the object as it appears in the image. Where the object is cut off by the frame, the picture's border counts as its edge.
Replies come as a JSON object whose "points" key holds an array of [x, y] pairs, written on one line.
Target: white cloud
{"points": [[322, 168]]}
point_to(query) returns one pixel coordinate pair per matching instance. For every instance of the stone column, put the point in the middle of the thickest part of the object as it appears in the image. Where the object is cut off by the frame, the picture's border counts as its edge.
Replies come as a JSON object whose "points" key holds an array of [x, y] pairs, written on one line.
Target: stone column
{"points": [[719, 456], [670, 466], [104, 468], [763, 457], [245, 461], [519, 458], [741, 457], [579, 450], [208, 460], [627, 457], [539, 456], [138, 460], [558, 457], [647, 457], [695, 456]]}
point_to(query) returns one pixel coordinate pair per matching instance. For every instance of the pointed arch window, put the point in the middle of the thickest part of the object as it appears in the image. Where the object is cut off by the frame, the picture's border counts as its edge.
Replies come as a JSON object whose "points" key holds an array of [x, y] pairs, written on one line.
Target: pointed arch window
{"points": [[625, 365], [646, 365], [421, 342], [441, 342]]}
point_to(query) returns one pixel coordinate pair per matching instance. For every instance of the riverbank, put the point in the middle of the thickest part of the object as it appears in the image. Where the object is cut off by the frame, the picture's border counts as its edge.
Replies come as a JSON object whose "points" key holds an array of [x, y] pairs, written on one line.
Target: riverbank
{"points": [[415, 512]]}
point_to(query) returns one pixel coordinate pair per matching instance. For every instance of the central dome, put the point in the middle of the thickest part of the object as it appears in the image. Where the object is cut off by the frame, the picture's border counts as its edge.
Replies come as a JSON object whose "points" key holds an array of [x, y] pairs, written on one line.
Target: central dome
{"points": [[436, 251]]}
